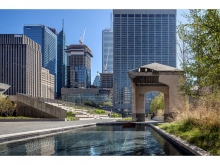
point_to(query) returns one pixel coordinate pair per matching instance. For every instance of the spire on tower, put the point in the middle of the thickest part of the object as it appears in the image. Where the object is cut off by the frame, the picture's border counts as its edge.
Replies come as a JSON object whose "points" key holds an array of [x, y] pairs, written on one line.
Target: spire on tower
{"points": [[63, 24]]}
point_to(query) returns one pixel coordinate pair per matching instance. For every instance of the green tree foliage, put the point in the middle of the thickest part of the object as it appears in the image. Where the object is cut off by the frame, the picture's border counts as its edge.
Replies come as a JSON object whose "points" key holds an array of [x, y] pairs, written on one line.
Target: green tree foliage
{"points": [[99, 111], [157, 103], [201, 34], [114, 115]]}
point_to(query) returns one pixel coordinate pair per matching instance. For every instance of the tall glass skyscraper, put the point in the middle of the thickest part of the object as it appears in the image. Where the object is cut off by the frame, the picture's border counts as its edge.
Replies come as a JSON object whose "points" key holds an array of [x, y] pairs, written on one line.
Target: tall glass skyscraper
{"points": [[61, 62], [140, 37], [47, 38], [107, 50]]}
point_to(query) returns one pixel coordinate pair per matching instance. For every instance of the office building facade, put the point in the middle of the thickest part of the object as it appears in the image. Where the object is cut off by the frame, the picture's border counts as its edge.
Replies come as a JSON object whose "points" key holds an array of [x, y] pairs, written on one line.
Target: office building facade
{"points": [[78, 66], [61, 63], [106, 80], [20, 64], [107, 50], [81, 96], [47, 84], [140, 37], [46, 37]]}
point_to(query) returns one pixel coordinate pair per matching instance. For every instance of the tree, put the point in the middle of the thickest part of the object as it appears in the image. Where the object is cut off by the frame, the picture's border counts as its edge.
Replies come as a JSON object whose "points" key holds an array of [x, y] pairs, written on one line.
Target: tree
{"points": [[157, 103], [202, 36], [7, 107]]}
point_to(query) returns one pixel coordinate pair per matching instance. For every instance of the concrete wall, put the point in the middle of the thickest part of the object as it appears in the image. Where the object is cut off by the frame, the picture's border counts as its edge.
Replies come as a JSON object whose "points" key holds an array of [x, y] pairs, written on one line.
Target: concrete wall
{"points": [[172, 99], [31, 107]]}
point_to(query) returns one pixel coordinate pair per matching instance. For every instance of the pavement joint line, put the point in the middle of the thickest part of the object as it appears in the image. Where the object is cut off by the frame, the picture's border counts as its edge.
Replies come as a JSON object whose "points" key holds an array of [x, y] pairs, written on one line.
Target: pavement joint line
{"points": [[190, 147]]}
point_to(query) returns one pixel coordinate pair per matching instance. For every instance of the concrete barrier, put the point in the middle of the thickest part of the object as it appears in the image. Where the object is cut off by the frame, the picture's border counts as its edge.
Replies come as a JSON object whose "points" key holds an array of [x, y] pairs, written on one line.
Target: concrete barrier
{"points": [[158, 118]]}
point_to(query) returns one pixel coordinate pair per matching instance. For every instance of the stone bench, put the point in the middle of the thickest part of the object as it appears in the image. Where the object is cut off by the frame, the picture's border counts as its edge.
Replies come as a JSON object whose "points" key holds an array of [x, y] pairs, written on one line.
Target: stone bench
{"points": [[85, 116]]}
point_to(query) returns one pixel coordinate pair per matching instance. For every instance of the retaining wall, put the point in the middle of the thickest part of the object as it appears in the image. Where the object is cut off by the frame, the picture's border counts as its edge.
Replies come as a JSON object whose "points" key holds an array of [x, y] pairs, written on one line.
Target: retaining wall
{"points": [[31, 107]]}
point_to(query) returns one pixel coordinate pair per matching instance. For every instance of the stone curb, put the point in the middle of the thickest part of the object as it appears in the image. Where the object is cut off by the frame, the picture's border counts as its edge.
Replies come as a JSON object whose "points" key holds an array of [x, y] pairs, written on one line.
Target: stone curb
{"points": [[26, 120], [38, 133], [190, 147]]}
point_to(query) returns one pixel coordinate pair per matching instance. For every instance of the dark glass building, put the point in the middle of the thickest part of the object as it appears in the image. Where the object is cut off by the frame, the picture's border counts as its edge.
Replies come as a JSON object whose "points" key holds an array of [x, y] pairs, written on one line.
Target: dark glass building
{"points": [[140, 37], [61, 63], [46, 37], [78, 66]]}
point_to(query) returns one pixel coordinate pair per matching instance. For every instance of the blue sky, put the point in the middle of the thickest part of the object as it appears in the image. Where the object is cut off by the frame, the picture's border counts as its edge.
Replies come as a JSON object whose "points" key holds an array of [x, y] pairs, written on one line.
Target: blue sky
{"points": [[75, 20]]}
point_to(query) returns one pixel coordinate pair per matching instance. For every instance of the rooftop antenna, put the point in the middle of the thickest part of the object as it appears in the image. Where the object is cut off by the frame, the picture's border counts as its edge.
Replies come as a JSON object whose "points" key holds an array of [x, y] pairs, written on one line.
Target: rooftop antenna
{"points": [[111, 22], [63, 24]]}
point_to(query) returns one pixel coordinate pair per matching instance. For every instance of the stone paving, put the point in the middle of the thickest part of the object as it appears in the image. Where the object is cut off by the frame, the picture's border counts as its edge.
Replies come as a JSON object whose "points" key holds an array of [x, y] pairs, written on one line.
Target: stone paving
{"points": [[18, 127]]}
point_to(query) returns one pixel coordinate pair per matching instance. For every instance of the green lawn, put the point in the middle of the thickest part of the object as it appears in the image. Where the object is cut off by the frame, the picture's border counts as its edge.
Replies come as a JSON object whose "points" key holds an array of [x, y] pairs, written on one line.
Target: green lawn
{"points": [[203, 135], [17, 117]]}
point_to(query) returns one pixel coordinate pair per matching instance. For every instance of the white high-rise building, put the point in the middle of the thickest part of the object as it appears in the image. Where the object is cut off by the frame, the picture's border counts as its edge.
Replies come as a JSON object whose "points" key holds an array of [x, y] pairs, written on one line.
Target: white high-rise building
{"points": [[107, 49], [140, 37]]}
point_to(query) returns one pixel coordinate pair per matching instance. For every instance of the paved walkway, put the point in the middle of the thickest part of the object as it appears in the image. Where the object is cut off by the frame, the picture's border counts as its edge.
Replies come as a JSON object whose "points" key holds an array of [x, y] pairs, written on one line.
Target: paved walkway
{"points": [[12, 131]]}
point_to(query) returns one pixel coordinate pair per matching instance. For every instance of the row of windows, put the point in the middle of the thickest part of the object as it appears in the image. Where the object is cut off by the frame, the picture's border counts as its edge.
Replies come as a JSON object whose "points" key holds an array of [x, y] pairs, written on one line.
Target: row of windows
{"points": [[146, 15]]}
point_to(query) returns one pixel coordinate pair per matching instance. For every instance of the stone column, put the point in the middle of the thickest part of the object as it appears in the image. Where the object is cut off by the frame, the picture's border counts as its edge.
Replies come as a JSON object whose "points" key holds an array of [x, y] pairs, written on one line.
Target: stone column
{"points": [[166, 103], [139, 114], [174, 97], [133, 88]]}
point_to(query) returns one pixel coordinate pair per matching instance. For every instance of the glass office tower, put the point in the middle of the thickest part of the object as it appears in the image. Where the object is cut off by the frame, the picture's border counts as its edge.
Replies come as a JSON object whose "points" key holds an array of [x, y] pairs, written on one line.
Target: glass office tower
{"points": [[61, 63], [140, 37], [96, 82], [107, 51], [46, 37]]}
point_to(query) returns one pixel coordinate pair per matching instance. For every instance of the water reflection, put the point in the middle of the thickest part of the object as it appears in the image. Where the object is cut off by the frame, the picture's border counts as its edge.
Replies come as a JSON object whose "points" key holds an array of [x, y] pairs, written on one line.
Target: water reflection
{"points": [[99, 140], [41, 147]]}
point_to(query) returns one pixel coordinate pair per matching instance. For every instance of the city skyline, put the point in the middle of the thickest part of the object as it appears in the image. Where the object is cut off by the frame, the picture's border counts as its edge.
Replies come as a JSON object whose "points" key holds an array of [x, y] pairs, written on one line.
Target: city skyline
{"points": [[76, 21]]}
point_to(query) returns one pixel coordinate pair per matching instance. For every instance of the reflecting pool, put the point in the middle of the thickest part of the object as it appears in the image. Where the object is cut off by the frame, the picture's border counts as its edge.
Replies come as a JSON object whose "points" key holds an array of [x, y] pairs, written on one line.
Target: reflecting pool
{"points": [[97, 140]]}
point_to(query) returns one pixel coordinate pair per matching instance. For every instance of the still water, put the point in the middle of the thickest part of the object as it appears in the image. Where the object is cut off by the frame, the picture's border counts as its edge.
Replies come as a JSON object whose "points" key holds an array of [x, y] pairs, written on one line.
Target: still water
{"points": [[97, 140]]}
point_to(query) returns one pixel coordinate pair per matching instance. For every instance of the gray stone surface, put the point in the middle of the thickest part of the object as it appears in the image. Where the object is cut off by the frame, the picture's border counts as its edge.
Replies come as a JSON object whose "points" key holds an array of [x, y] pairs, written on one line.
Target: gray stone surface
{"points": [[18, 127], [13, 131]]}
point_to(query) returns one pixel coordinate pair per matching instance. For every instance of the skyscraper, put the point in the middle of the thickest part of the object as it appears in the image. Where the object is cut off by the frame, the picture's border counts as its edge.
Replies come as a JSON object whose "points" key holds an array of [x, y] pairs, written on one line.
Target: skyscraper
{"points": [[96, 82], [140, 37], [106, 80], [78, 66], [107, 50], [46, 37], [20, 64], [61, 62], [47, 84]]}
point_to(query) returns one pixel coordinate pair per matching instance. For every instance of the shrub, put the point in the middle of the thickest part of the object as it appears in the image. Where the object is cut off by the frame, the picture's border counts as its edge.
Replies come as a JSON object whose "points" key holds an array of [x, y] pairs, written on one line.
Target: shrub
{"points": [[199, 123], [99, 111], [69, 113], [70, 116], [7, 107], [114, 115]]}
